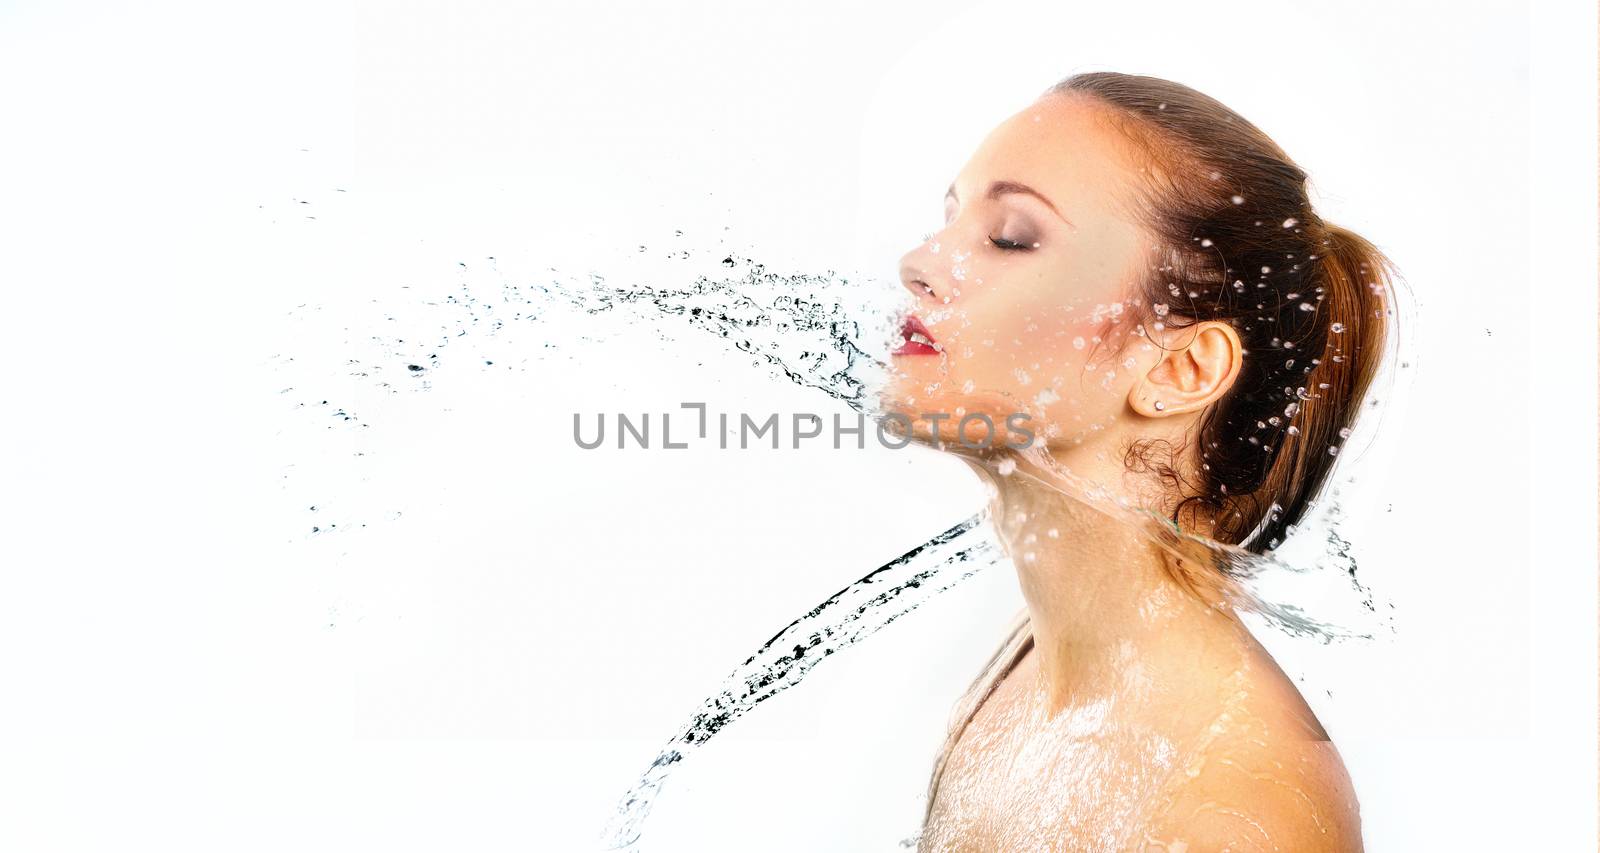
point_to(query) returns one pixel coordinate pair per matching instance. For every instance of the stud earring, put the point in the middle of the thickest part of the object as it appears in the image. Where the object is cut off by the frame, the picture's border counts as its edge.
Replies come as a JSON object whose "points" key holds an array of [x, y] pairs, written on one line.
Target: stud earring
{"points": [[1160, 406]]}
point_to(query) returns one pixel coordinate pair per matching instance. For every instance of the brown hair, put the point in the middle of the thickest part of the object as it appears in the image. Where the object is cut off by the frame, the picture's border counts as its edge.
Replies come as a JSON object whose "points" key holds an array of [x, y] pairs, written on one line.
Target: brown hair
{"points": [[1239, 243]]}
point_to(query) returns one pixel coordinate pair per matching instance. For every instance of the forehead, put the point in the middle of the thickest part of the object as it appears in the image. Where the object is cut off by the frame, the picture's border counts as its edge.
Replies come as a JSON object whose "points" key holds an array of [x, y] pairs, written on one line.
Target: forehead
{"points": [[1058, 145]]}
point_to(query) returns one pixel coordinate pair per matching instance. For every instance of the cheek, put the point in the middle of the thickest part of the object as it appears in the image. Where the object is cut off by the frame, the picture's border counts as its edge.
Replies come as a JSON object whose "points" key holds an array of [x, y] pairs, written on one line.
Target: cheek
{"points": [[1034, 343], [1022, 339], [1061, 365]]}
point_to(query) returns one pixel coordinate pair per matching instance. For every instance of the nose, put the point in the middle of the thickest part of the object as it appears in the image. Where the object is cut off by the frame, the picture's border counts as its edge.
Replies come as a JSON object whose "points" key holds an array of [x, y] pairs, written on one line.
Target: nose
{"points": [[915, 277]]}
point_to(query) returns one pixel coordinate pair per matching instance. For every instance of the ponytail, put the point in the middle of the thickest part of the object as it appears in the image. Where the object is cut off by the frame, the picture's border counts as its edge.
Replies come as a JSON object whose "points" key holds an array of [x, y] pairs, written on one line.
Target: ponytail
{"points": [[1355, 310]]}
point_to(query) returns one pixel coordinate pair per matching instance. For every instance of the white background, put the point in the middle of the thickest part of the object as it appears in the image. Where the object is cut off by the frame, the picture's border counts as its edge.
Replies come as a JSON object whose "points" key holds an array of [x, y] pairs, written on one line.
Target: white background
{"points": [[491, 660]]}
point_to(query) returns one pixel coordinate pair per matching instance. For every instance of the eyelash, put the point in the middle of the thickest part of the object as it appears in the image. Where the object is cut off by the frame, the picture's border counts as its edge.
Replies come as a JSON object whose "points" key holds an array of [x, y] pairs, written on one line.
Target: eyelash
{"points": [[1002, 245]]}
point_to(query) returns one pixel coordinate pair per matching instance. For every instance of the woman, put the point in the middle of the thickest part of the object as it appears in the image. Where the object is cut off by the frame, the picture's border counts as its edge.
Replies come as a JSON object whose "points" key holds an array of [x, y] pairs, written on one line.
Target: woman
{"points": [[1139, 269]]}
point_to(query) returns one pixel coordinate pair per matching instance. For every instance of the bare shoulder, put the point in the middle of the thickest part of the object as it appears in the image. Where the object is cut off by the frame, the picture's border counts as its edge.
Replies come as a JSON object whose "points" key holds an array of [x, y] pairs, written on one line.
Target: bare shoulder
{"points": [[1256, 789]]}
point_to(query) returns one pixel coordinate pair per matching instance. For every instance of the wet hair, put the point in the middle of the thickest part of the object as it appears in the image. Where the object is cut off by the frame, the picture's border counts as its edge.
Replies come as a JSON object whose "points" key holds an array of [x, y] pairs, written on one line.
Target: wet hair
{"points": [[1240, 243], [1237, 242]]}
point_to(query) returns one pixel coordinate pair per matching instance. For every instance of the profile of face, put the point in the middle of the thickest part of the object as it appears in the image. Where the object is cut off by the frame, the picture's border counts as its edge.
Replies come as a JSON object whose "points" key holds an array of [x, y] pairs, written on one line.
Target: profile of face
{"points": [[1027, 299]]}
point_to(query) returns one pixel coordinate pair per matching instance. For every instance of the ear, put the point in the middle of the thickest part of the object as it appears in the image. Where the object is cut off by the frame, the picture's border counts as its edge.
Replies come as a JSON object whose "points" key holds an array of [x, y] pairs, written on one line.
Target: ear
{"points": [[1198, 365]]}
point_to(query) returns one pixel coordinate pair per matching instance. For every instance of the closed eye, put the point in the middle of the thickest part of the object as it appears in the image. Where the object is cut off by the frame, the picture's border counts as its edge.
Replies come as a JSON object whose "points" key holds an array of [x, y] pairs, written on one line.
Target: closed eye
{"points": [[1007, 245]]}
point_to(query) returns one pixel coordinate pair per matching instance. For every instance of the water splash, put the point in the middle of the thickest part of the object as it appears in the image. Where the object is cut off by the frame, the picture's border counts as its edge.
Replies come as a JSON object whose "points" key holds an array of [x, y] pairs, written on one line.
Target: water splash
{"points": [[819, 332], [844, 619]]}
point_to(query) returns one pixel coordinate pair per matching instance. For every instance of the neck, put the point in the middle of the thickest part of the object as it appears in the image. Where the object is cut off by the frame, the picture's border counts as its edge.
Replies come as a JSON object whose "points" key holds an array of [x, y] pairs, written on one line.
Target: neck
{"points": [[1099, 591]]}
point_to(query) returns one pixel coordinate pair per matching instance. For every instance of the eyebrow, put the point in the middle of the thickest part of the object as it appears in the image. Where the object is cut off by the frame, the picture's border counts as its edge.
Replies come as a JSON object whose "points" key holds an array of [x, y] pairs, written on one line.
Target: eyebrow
{"points": [[1000, 188]]}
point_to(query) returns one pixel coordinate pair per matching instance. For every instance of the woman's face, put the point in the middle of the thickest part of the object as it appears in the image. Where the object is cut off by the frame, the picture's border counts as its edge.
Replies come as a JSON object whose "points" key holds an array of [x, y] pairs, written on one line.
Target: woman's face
{"points": [[1022, 288]]}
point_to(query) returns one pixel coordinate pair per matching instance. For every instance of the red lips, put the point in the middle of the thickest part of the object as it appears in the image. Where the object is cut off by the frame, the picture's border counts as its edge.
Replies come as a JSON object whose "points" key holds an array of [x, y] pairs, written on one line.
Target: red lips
{"points": [[915, 339]]}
